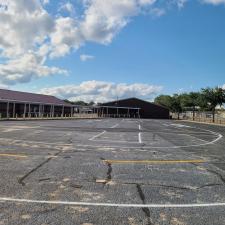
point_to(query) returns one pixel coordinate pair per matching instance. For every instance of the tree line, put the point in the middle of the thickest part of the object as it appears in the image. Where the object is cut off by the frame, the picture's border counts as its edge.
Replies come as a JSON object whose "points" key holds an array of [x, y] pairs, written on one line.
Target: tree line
{"points": [[207, 99]]}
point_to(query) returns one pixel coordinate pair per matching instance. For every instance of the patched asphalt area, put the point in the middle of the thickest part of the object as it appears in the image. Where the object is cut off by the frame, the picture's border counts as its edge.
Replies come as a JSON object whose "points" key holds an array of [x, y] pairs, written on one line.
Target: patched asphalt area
{"points": [[105, 171]]}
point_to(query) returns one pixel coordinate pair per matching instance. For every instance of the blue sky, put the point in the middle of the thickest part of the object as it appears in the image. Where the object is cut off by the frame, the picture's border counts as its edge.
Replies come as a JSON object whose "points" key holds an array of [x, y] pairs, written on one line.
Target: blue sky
{"points": [[163, 48]]}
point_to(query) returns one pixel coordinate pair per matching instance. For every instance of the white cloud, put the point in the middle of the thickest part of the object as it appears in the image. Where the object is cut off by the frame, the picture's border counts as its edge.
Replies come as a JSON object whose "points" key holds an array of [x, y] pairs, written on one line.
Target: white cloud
{"points": [[23, 25], [157, 12], [101, 22], [65, 36], [45, 2], [30, 35], [104, 19], [85, 57], [3, 86], [68, 6], [181, 3], [25, 68], [214, 2], [146, 2], [100, 91]]}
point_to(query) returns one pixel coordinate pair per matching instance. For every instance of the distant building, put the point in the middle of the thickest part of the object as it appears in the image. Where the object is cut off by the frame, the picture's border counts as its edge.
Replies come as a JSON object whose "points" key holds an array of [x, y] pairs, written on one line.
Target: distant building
{"points": [[15, 104], [134, 107]]}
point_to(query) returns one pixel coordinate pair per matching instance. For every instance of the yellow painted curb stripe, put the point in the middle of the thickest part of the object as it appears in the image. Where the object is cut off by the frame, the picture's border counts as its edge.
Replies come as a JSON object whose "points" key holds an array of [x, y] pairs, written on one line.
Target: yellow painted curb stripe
{"points": [[13, 155], [152, 161]]}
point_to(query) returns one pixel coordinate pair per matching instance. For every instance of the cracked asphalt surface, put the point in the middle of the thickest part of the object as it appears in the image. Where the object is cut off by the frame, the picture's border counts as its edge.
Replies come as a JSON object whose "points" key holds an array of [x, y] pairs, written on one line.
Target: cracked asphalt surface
{"points": [[118, 161]]}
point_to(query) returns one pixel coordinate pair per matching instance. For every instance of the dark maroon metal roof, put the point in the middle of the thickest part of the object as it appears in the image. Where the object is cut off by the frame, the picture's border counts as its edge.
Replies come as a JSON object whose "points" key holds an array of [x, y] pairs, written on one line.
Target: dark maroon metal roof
{"points": [[128, 101], [19, 96]]}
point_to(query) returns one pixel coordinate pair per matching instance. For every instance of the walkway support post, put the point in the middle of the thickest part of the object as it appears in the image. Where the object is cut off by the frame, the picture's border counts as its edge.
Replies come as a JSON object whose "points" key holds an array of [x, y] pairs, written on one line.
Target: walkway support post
{"points": [[24, 111], [29, 114], [39, 113], [107, 111], [53, 110], [50, 113], [14, 109], [7, 110], [62, 111]]}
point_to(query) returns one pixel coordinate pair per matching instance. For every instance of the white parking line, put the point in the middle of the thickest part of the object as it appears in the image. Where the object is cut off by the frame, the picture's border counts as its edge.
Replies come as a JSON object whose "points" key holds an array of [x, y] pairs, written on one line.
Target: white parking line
{"points": [[115, 141], [29, 201], [114, 126], [22, 142], [98, 135], [193, 137], [179, 125], [139, 137], [139, 126]]}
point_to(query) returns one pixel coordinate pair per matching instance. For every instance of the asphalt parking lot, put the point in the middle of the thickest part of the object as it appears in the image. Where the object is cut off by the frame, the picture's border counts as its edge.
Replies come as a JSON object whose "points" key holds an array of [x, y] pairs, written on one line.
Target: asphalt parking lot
{"points": [[111, 171]]}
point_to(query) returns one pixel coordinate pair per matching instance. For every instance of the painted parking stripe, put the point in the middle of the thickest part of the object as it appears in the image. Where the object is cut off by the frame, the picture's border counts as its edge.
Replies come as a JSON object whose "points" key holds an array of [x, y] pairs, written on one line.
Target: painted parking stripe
{"points": [[114, 126], [153, 161], [12, 155], [139, 126], [98, 135], [29, 201], [139, 138]]}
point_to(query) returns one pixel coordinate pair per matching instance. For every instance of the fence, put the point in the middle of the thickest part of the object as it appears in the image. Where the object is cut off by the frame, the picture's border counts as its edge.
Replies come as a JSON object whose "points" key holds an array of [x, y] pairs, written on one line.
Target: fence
{"points": [[205, 117], [49, 117]]}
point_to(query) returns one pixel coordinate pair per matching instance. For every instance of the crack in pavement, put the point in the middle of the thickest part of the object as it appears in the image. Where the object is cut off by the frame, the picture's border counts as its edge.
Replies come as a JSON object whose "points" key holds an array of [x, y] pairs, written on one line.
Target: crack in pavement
{"points": [[109, 172], [44, 211], [69, 141], [21, 180], [44, 179], [160, 185], [174, 187], [217, 174], [208, 185], [220, 176], [144, 209]]}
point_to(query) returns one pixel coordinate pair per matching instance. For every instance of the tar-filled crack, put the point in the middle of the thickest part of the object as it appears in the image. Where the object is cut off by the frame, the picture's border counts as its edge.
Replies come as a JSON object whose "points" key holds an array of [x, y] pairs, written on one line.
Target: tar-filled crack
{"points": [[44, 179], [220, 176], [160, 185], [109, 171], [217, 174], [70, 141], [208, 185], [44, 211], [21, 180], [144, 209]]}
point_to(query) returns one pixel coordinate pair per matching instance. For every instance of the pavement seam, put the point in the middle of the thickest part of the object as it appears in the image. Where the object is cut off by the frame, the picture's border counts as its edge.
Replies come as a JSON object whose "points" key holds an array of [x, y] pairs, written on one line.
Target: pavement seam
{"points": [[144, 209], [21, 180]]}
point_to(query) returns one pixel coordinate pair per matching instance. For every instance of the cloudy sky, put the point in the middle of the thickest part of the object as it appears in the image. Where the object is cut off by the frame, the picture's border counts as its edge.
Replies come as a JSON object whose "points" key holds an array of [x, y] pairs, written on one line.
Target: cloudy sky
{"points": [[102, 49]]}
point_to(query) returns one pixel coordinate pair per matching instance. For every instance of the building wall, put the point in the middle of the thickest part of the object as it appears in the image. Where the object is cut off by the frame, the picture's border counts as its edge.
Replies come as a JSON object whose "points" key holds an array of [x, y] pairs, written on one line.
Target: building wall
{"points": [[20, 110], [147, 109]]}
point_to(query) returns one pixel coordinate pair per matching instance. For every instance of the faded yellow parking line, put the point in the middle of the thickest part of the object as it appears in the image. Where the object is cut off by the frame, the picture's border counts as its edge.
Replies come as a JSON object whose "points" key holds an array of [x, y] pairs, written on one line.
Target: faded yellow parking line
{"points": [[152, 161], [13, 155]]}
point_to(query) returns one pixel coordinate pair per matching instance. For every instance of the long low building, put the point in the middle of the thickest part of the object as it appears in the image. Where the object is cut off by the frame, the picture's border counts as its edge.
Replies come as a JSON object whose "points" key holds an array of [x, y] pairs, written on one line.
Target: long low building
{"points": [[135, 108], [16, 104]]}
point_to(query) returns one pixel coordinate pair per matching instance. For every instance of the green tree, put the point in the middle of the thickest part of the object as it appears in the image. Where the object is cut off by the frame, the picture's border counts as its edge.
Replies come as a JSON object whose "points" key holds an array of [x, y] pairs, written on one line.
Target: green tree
{"points": [[91, 103], [191, 100], [176, 104], [164, 100], [212, 97], [173, 103]]}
